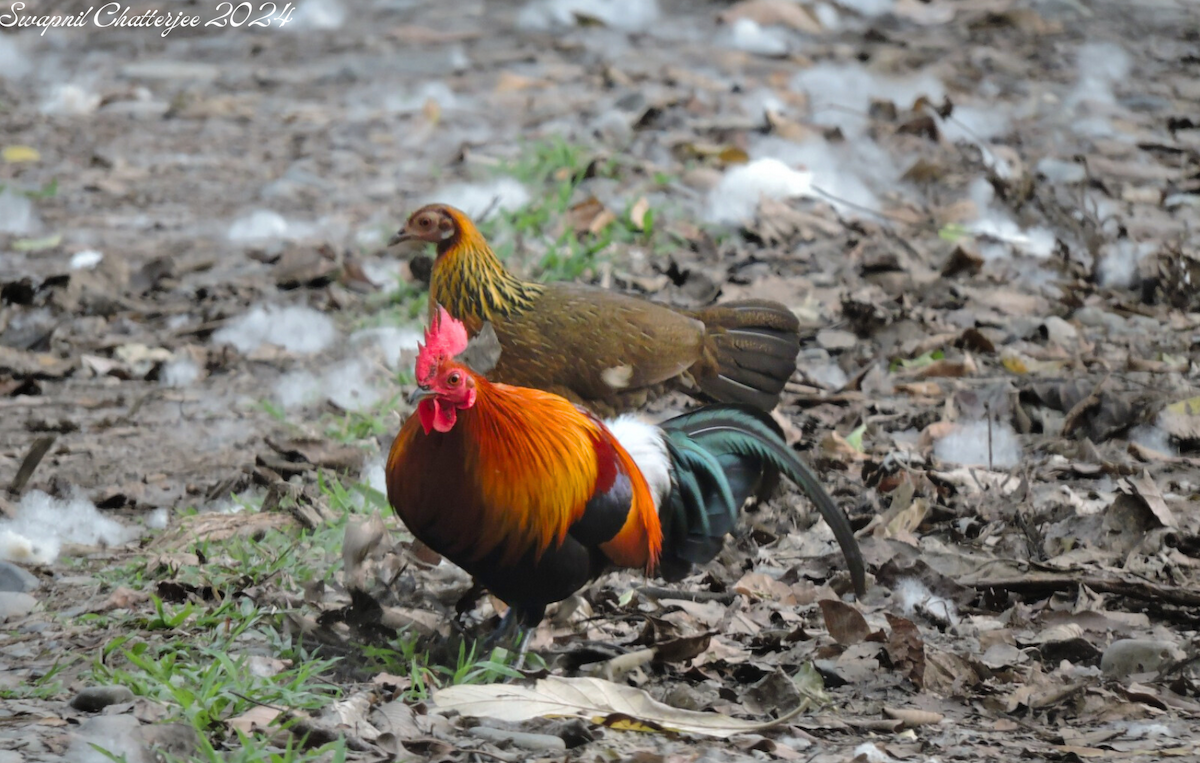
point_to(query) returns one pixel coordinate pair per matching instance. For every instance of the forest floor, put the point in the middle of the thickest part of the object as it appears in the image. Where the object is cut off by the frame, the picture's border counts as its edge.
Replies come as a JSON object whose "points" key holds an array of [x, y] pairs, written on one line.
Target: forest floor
{"points": [[986, 215]]}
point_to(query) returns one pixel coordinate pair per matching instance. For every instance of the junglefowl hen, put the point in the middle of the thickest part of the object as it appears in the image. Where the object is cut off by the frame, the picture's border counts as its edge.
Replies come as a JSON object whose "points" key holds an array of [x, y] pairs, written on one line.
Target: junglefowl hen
{"points": [[608, 350], [535, 497]]}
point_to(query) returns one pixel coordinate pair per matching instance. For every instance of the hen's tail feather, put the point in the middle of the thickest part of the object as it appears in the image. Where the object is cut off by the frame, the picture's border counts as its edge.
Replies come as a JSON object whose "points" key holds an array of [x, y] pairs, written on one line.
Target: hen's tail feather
{"points": [[746, 452], [753, 344]]}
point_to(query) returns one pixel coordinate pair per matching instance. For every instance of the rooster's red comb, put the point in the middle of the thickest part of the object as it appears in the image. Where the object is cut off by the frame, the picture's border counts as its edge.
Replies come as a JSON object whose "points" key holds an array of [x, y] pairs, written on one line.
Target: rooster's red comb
{"points": [[445, 338]]}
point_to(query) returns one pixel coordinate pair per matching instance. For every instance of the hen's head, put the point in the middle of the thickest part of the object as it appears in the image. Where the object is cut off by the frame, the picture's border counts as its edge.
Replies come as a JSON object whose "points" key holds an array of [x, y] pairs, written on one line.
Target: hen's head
{"points": [[444, 385], [439, 224]]}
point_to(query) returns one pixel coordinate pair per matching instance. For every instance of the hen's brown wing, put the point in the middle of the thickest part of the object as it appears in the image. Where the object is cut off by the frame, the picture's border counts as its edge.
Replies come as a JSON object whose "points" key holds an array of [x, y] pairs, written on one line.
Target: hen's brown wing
{"points": [[596, 343]]}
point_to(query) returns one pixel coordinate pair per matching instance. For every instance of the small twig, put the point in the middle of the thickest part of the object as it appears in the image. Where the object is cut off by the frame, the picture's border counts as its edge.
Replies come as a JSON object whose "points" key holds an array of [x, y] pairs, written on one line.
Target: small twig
{"points": [[491, 207], [987, 411], [861, 208], [37, 451], [669, 593], [253, 701], [1143, 591], [1075, 416]]}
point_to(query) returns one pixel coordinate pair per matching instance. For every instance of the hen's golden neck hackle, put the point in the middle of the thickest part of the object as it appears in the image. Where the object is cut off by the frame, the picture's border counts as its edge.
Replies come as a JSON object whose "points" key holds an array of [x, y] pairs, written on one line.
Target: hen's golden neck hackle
{"points": [[468, 278]]}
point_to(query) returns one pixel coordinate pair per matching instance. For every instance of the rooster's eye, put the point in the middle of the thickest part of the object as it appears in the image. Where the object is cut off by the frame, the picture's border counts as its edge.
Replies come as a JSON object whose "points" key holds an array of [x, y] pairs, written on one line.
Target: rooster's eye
{"points": [[454, 379]]}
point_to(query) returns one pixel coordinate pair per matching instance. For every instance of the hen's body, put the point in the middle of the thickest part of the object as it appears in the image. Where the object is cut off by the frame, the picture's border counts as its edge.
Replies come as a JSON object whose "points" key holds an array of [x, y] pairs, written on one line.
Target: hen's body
{"points": [[607, 350]]}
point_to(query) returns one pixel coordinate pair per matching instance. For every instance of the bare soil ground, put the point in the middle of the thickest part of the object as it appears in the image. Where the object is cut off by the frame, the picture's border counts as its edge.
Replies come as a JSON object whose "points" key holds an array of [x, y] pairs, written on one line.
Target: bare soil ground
{"points": [[985, 211]]}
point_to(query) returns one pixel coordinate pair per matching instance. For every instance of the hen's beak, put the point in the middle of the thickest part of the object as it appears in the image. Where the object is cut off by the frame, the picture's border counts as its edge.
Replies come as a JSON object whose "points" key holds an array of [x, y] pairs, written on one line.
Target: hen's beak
{"points": [[419, 394], [400, 237]]}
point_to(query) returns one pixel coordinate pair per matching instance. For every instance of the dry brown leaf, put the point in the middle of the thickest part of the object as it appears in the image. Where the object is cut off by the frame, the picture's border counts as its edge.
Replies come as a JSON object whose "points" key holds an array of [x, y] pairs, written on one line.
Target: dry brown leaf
{"points": [[123, 598], [21, 364], [398, 719], [934, 432], [834, 446], [919, 389], [846, 625], [1182, 419], [1149, 492], [257, 718], [1144, 453], [760, 586], [414, 34], [788, 129], [945, 367], [637, 213], [906, 648], [592, 699], [582, 216], [510, 82], [683, 649], [913, 717], [388, 679], [432, 111], [902, 524], [351, 713]]}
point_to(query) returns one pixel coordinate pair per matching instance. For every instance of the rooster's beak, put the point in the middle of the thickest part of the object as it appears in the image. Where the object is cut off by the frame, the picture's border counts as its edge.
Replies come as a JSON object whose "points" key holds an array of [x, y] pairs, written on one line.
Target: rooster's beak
{"points": [[419, 394], [399, 238]]}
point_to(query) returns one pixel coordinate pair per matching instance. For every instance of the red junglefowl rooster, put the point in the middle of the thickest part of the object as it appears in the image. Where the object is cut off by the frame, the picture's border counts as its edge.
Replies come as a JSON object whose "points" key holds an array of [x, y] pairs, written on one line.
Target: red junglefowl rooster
{"points": [[535, 497], [608, 350]]}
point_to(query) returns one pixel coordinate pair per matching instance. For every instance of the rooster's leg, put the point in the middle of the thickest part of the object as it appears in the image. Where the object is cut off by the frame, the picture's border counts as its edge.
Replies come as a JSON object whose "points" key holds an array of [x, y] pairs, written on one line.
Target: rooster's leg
{"points": [[511, 633], [524, 636], [507, 624]]}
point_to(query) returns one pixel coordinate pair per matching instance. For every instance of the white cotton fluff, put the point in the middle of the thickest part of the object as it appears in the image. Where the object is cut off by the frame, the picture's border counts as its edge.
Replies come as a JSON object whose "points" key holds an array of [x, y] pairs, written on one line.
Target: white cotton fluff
{"points": [[840, 94], [735, 198], [1101, 65], [158, 519], [393, 342], [644, 443], [995, 224], [14, 64], [1060, 171], [294, 328], [1119, 262], [297, 389], [1148, 730], [751, 37], [44, 523], [476, 199], [868, 7], [373, 476], [86, 260], [915, 597], [317, 14], [1153, 437], [261, 225], [180, 372], [872, 754], [967, 444], [16, 214], [347, 386], [116, 735], [70, 100], [842, 174]]}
